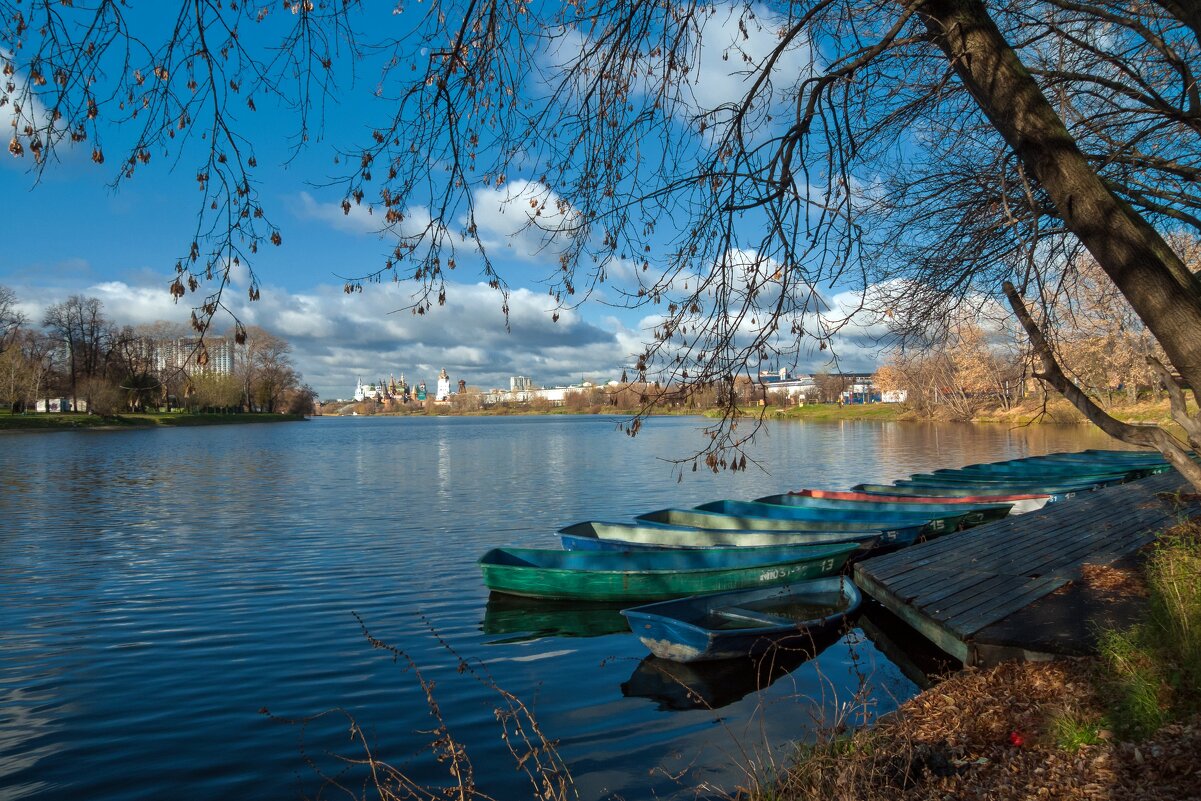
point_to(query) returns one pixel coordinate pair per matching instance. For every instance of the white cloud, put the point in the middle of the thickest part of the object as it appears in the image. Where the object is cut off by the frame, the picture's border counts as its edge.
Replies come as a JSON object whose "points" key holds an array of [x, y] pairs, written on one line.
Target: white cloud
{"points": [[523, 217], [136, 305], [360, 219], [337, 337], [732, 45], [730, 52]]}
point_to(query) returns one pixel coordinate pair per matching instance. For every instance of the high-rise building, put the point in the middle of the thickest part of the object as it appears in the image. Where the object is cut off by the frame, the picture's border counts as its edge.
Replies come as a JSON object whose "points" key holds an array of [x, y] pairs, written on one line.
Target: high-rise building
{"points": [[216, 355]]}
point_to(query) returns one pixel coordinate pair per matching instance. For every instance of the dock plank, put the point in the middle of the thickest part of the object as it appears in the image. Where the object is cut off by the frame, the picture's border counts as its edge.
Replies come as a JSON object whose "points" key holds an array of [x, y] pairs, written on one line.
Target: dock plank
{"points": [[954, 586]]}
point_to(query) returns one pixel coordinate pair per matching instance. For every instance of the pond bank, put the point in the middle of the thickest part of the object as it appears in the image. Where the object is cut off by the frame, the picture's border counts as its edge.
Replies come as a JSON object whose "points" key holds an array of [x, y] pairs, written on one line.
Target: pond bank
{"points": [[75, 422], [1123, 724], [1015, 731]]}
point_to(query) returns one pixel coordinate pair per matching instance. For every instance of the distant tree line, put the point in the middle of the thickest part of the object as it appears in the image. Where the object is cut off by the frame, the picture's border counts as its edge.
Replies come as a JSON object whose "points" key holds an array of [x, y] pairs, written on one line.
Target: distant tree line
{"points": [[76, 352]]}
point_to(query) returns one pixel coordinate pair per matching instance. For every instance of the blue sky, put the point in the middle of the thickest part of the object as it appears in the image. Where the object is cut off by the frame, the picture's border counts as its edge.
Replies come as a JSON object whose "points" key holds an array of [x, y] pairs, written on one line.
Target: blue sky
{"points": [[73, 233]]}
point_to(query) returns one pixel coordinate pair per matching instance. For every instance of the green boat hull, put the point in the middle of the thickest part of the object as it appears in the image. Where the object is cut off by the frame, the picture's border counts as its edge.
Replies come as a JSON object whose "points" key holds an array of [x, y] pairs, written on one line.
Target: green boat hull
{"points": [[620, 577]]}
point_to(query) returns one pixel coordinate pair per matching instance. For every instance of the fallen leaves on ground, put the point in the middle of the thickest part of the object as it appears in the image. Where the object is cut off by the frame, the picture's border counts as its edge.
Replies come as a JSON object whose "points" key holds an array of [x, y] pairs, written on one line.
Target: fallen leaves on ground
{"points": [[990, 734]]}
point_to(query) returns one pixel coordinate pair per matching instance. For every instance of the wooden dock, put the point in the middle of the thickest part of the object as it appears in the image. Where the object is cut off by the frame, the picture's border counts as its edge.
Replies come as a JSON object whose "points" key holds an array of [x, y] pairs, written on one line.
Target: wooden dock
{"points": [[981, 594]]}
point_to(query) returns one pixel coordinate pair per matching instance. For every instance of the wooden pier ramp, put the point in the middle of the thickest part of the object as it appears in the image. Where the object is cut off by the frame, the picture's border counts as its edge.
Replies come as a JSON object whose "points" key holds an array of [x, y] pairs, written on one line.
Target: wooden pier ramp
{"points": [[981, 594]]}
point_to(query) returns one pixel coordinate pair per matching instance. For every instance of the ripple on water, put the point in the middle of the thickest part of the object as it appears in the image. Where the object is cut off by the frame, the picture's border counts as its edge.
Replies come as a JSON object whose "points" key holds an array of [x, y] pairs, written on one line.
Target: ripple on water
{"points": [[161, 587]]}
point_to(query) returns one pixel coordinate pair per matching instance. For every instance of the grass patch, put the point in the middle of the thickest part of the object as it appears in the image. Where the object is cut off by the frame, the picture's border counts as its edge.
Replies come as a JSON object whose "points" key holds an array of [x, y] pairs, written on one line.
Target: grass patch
{"points": [[824, 412], [1059, 410], [1152, 671], [1072, 730]]}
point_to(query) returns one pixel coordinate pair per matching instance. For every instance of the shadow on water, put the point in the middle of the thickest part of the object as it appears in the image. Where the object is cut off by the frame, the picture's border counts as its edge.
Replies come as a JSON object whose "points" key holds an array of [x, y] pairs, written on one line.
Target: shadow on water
{"points": [[712, 685], [530, 619], [916, 657]]}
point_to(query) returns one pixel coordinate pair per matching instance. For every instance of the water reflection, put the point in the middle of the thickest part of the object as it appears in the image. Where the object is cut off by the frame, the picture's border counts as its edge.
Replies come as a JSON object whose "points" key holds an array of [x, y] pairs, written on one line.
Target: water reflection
{"points": [[712, 685], [912, 654], [530, 619]]}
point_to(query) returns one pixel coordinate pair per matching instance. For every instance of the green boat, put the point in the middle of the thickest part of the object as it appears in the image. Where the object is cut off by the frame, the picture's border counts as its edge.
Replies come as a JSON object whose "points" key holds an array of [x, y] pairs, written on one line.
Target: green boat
{"points": [[931, 522], [649, 575]]}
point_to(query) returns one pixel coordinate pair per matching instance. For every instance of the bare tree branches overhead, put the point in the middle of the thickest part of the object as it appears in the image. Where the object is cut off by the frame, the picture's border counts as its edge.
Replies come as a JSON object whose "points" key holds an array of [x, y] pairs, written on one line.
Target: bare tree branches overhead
{"points": [[723, 165]]}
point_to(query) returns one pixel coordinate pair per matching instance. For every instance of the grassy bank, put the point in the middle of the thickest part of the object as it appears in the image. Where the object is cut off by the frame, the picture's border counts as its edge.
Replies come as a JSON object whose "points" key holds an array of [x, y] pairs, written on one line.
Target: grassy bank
{"points": [[1058, 410], [823, 412], [1123, 725], [71, 421]]}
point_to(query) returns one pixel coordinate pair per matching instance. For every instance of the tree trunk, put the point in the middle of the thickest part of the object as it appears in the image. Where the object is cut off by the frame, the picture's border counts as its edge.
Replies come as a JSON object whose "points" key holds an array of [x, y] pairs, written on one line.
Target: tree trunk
{"points": [[1141, 264], [1162, 291]]}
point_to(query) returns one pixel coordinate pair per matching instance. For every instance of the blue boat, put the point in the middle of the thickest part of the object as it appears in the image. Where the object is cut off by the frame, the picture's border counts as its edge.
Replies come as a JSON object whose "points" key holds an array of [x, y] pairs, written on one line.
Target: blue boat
{"points": [[595, 535], [1043, 471], [960, 491], [894, 534], [745, 622], [932, 523], [1011, 484], [974, 513], [1106, 457]]}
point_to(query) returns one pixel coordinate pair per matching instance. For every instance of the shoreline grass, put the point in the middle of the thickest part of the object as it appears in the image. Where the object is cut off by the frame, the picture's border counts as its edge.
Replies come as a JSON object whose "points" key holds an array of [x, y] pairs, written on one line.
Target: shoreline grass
{"points": [[1055, 412]]}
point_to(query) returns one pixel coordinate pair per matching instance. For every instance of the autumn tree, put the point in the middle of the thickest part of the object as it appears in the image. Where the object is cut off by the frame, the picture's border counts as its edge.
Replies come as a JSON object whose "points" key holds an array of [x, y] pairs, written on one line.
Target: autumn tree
{"points": [[299, 399], [132, 366], [728, 160], [19, 377], [15, 367], [214, 392], [959, 374], [1101, 342], [265, 370]]}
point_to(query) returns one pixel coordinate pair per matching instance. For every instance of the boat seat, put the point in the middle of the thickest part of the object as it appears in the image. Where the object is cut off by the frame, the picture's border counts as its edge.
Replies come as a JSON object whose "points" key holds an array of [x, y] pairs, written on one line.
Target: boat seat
{"points": [[752, 616]]}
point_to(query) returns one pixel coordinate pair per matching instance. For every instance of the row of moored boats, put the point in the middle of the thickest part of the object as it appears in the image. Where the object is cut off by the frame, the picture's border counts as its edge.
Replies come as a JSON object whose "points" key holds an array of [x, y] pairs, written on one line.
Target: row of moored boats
{"points": [[732, 578]]}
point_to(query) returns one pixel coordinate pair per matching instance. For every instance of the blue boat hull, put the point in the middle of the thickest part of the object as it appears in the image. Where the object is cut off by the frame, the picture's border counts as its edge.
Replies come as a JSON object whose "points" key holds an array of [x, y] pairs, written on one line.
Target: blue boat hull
{"points": [[974, 514], [889, 535], [747, 622], [930, 522]]}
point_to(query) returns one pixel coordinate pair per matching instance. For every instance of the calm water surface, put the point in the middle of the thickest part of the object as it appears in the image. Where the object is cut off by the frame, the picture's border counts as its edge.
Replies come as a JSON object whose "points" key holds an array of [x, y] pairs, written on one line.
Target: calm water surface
{"points": [[159, 588]]}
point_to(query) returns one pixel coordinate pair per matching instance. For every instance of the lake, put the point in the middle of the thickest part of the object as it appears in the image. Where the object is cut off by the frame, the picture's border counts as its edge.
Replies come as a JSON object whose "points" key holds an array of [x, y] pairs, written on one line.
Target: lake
{"points": [[158, 588]]}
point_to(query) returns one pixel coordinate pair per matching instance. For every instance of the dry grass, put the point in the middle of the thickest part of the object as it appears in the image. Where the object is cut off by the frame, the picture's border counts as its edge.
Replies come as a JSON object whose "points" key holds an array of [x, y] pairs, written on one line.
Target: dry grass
{"points": [[1058, 410], [999, 734], [1045, 730], [369, 775]]}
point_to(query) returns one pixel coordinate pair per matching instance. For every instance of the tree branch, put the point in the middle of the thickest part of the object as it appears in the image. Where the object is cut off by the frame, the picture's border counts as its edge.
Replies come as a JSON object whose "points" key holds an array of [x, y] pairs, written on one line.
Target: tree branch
{"points": [[1148, 436], [1190, 424]]}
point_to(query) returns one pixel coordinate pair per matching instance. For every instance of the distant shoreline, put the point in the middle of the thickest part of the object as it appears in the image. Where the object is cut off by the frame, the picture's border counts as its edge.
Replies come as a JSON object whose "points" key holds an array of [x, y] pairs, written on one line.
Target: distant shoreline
{"points": [[48, 422], [1055, 412]]}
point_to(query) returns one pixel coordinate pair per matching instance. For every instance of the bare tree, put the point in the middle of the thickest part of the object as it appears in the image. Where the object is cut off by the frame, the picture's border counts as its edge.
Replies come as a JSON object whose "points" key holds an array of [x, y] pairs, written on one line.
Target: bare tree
{"points": [[733, 158], [11, 318], [79, 328], [830, 386]]}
